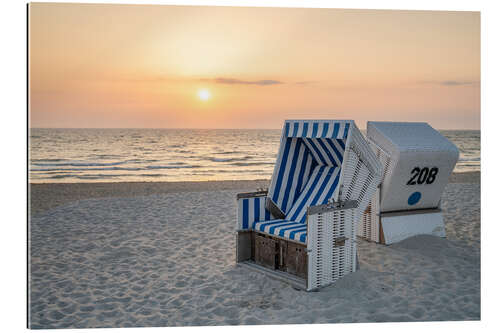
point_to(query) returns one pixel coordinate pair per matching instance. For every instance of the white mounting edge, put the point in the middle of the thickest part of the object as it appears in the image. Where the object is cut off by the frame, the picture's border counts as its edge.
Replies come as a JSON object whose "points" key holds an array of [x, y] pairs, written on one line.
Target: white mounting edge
{"points": [[397, 227]]}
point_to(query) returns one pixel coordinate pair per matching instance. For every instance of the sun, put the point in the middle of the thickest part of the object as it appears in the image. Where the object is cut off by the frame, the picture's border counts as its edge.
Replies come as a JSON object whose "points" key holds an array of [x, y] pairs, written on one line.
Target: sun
{"points": [[204, 94]]}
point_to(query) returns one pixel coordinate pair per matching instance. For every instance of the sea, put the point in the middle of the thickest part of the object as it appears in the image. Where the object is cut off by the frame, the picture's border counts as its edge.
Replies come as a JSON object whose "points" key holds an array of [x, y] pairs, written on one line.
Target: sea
{"points": [[131, 155]]}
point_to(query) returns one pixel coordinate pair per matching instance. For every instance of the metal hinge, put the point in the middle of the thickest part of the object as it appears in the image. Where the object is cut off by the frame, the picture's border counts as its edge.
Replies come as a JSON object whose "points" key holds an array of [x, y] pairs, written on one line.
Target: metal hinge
{"points": [[340, 241]]}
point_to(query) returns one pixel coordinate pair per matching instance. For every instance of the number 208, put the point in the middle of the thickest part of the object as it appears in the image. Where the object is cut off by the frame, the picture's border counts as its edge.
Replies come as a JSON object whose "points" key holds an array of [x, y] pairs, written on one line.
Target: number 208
{"points": [[423, 176]]}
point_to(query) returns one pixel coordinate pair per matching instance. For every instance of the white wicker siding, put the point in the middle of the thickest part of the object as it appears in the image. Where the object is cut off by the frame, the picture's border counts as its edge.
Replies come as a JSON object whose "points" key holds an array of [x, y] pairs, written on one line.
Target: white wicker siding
{"points": [[369, 227], [326, 261], [362, 172]]}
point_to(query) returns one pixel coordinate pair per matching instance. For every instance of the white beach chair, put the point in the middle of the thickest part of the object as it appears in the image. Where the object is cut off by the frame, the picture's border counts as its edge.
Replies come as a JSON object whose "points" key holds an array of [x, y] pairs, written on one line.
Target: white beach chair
{"points": [[417, 162], [303, 229]]}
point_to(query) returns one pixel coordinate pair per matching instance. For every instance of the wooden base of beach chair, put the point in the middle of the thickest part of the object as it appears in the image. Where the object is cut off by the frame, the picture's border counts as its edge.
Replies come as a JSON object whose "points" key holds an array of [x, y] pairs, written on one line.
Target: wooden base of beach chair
{"points": [[245, 246], [281, 254], [266, 249], [296, 259], [272, 253]]}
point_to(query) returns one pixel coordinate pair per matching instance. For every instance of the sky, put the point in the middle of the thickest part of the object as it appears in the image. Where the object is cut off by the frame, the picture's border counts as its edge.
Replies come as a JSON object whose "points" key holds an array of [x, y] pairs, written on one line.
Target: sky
{"points": [[159, 66]]}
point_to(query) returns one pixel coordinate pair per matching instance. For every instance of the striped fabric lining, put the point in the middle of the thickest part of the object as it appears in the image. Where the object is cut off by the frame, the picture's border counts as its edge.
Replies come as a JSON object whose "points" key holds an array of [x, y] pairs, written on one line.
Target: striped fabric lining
{"points": [[326, 151], [295, 164], [283, 228], [321, 187], [251, 210], [305, 145]]}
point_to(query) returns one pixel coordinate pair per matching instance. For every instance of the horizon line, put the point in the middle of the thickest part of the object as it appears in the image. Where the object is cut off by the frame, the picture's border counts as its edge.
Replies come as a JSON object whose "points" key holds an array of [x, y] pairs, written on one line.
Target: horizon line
{"points": [[199, 128]]}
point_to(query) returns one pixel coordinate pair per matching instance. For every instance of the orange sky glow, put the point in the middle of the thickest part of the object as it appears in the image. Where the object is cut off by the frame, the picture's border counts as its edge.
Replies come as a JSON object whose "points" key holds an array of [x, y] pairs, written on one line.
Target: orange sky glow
{"points": [[94, 65]]}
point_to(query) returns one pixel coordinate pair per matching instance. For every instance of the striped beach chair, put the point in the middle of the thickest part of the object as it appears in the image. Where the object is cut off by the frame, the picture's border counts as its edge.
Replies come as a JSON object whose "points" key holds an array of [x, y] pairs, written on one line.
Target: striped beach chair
{"points": [[417, 163], [303, 229]]}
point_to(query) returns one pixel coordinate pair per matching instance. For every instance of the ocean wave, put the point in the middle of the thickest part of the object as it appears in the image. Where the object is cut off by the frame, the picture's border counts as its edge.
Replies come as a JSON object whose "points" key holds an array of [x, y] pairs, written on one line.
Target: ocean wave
{"points": [[83, 176], [79, 164], [88, 169], [251, 163], [226, 152], [101, 176], [140, 160], [106, 156], [42, 163], [231, 159], [48, 160], [172, 166], [177, 163], [467, 165], [469, 159], [239, 171], [114, 168]]}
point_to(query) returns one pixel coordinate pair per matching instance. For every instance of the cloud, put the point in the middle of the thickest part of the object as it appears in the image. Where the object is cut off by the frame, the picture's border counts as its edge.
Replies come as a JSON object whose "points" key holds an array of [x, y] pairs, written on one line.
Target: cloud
{"points": [[456, 83], [305, 82], [224, 80], [451, 83]]}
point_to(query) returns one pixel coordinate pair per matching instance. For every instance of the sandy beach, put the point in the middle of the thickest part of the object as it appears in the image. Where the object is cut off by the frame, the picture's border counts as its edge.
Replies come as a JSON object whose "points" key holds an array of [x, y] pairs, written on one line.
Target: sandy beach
{"points": [[163, 254]]}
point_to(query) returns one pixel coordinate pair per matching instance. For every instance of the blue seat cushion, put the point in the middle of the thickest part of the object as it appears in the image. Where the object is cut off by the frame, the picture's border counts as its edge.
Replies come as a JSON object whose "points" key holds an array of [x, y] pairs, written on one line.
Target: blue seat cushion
{"points": [[295, 231]]}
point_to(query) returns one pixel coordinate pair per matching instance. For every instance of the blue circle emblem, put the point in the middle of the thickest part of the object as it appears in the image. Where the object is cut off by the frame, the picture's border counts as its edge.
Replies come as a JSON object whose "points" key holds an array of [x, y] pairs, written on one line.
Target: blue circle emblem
{"points": [[414, 198]]}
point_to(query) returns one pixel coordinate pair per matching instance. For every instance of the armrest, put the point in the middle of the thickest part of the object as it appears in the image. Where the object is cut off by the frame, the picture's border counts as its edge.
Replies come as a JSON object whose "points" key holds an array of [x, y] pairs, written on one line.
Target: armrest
{"points": [[332, 206], [258, 193], [251, 208]]}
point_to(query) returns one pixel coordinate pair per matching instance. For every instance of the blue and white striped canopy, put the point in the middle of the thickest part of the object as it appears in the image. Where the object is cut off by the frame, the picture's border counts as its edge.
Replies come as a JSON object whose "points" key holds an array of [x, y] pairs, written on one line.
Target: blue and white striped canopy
{"points": [[305, 146], [315, 129]]}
